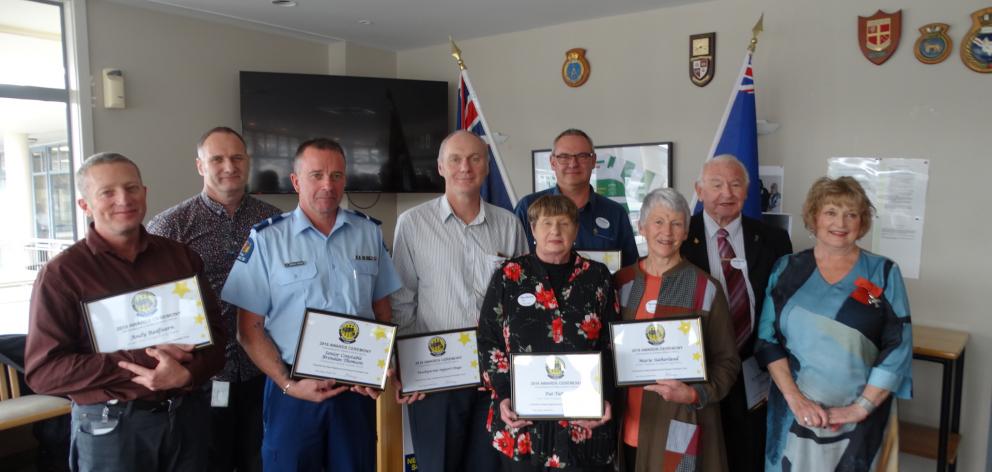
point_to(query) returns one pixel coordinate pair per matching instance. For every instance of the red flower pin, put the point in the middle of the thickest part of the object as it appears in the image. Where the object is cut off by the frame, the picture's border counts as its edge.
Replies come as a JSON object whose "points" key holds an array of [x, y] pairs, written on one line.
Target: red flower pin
{"points": [[512, 271], [867, 292]]}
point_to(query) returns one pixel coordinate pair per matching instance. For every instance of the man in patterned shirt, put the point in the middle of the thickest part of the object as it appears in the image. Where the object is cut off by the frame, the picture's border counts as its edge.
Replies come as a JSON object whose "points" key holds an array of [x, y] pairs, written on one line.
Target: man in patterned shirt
{"points": [[215, 224]]}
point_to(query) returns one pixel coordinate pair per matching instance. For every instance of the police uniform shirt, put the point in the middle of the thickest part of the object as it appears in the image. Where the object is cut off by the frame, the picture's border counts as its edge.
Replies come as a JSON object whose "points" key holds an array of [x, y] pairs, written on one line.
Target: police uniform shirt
{"points": [[287, 266]]}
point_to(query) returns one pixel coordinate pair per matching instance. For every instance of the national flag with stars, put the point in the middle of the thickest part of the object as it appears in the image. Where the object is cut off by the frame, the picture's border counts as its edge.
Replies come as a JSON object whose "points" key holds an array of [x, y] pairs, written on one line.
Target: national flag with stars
{"points": [[497, 188], [738, 135]]}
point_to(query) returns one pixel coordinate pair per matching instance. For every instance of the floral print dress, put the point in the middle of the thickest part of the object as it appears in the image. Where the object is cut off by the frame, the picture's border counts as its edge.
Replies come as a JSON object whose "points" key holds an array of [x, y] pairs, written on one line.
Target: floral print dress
{"points": [[522, 313]]}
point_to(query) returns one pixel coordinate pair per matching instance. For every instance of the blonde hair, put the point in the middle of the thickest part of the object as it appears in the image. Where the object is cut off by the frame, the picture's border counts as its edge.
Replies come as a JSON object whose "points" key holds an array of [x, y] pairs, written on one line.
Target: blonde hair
{"points": [[843, 192]]}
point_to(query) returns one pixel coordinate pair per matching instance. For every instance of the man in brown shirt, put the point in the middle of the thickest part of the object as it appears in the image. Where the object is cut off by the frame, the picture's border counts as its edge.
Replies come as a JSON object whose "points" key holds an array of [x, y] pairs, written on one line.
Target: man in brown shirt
{"points": [[132, 410]]}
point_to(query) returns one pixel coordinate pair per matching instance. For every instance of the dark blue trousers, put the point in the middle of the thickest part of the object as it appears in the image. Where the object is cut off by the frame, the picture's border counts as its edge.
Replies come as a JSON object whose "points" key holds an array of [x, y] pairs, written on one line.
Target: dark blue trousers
{"points": [[449, 432], [336, 435]]}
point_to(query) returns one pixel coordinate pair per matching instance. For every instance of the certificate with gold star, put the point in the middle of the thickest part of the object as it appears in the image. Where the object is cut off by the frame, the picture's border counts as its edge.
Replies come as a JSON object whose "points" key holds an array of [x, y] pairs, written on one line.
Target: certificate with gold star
{"points": [[610, 258], [557, 386], [658, 349], [442, 360], [162, 314], [345, 348]]}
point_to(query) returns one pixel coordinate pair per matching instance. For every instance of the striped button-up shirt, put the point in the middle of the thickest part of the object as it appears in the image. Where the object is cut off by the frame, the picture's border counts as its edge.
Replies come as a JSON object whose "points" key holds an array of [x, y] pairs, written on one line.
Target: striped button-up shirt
{"points": [[445, 264]]}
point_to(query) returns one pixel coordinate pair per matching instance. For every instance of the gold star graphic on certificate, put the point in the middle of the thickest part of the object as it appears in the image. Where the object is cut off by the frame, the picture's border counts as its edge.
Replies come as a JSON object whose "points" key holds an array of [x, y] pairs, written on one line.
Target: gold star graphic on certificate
{"points": [[474, 364], [696, 356], [199, 319], [386, 350], [464, 339], [685, 327], [381, 363], [199, 303], [379, 333], [180, 289]]}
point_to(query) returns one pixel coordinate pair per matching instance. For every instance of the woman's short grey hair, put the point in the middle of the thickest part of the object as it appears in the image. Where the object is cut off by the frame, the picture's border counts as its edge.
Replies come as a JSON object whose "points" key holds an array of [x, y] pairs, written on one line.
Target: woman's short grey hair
{"points": [[96, 160], [668, 198]]}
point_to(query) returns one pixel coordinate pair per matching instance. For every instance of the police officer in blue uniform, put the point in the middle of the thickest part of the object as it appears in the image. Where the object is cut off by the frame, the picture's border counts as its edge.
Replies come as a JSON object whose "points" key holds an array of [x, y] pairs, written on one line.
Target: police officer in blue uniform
{"points": [[603, 223], [317, 256]]}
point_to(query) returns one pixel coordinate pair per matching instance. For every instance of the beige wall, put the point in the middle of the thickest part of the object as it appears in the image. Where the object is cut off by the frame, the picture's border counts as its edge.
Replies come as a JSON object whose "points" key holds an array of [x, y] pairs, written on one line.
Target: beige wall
{"points": [[181, 78], [811, 78]]}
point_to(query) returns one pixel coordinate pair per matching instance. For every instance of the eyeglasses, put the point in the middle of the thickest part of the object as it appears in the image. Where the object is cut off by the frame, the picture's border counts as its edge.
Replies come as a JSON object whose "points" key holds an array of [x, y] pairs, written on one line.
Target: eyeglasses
{"points": [[565, 159]]}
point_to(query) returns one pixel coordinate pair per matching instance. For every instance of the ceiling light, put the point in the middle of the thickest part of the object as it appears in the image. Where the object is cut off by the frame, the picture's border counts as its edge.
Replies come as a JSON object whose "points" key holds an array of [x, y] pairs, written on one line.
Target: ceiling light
{"points": [[363, 21], [284, 3]]}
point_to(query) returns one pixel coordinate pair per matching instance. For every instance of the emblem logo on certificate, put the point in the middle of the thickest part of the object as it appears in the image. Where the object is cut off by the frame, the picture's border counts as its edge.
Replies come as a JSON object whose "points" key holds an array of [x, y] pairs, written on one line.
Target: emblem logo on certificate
{"points": [[162, 314], [344, 348], [433, 362], [658, 349], [557, 386], [610, 258]]}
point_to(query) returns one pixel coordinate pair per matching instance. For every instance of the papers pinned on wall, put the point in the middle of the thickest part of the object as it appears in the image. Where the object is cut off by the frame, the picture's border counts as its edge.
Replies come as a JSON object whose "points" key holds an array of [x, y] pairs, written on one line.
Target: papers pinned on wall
{"points": [[898, 189]]}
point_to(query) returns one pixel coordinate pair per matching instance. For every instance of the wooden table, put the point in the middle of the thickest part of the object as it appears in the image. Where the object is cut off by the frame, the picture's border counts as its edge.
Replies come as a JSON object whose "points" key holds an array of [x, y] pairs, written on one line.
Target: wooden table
{"points": [[945, 347]]}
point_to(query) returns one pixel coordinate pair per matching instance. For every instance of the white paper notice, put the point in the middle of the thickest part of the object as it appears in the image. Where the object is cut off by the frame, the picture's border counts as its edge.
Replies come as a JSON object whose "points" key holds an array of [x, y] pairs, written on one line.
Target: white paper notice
{"points": [[756, 382], [898, 189]]}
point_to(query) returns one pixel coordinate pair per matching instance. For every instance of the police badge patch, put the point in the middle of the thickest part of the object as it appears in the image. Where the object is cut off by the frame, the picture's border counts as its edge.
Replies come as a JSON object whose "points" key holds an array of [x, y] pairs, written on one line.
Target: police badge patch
{"points": [[246, 250], [933, 45], [976, 46], [878, 35]]}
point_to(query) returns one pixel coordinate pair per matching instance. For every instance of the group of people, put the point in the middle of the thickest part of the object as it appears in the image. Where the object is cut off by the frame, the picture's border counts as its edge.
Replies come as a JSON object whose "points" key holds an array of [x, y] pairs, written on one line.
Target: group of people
{"points": [[830, 324]]}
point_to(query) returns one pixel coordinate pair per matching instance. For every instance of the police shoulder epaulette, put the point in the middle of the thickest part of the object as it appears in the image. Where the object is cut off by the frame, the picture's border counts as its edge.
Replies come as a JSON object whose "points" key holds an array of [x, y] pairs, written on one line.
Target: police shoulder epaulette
{"points": [[367, 217], [268, 222]]}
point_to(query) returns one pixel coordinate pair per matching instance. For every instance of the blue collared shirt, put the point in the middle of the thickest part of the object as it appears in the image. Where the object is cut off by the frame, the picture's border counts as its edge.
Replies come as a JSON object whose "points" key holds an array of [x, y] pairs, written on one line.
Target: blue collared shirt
{"points": [[603, 225], [287, 266]]}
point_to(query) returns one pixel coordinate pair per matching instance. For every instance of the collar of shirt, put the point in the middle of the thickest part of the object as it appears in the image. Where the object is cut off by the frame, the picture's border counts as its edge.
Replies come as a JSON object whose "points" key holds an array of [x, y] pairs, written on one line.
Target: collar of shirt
{"points": [[97, 244], [217, 207], [590, 205], [301, 222], [444, 211], [733, 228]]}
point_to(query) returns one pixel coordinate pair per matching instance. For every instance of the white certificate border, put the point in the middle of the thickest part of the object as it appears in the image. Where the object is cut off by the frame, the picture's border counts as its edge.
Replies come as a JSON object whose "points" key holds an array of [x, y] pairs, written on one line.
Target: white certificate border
{"points": [[513, 385], [199, 290], [687, 380], [474, 331], [299, 343]]}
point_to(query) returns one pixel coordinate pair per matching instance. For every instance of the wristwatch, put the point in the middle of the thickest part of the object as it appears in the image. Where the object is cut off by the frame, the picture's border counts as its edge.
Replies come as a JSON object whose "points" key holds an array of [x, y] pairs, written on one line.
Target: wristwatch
{"points": [[865, 403]]}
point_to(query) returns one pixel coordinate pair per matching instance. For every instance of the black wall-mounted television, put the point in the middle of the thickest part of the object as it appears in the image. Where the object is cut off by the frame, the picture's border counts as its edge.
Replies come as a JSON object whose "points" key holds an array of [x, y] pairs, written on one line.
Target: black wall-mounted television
{"points": [[390, 129]]}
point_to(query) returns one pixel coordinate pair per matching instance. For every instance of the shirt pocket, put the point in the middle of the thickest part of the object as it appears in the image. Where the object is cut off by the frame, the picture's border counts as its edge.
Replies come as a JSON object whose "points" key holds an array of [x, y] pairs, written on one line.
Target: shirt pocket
{"points": [[486, 265], [291, 288], [366, 273], [291, 275]]}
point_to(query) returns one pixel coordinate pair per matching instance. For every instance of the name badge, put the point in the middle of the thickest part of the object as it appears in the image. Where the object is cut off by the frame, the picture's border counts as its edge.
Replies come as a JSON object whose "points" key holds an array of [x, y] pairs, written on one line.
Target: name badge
{"points": [[293, 264], [603, 222], [526, 299], [219, 393], [738, 263], [651, 305]]}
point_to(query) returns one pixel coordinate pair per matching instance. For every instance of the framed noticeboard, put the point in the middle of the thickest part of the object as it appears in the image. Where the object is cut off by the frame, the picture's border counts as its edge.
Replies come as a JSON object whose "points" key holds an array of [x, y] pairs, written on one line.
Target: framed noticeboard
{"points": [[625, 173]]}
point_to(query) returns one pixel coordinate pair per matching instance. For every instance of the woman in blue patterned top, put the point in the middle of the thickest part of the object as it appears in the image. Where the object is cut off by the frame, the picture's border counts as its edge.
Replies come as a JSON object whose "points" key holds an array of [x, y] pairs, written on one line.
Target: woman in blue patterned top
{"points": [[835, 336]]}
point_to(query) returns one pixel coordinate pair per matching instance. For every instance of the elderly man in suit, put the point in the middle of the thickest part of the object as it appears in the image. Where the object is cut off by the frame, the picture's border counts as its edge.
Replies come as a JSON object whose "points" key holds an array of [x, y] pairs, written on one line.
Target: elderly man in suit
{"points": [[739, 252]]}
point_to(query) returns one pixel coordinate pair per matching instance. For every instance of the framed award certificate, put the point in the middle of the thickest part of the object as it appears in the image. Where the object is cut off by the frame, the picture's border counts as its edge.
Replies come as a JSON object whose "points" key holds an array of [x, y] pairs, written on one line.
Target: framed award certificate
{"points": [[345, 348], [658, 349], [162, 314], [557, 386], [612, 259], [444, 360]]}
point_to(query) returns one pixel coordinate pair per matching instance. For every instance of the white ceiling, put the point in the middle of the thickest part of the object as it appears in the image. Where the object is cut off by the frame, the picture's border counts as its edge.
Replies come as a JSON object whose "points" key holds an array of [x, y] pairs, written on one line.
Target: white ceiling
{"points": [[406, 24]]}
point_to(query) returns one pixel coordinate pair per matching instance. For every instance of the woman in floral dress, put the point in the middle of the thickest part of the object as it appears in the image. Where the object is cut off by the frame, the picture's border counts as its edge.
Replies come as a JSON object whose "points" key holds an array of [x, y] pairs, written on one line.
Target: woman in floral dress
{"points": [[551, 301]]}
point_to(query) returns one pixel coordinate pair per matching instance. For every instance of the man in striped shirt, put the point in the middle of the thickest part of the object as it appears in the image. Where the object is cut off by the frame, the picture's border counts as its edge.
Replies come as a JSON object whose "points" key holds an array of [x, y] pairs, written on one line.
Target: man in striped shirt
{"points": [[445, 251]]}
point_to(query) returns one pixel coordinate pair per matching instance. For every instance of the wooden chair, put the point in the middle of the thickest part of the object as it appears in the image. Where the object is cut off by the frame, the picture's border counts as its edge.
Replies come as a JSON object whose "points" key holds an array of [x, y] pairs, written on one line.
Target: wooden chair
{"points": [[17, 410]]}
